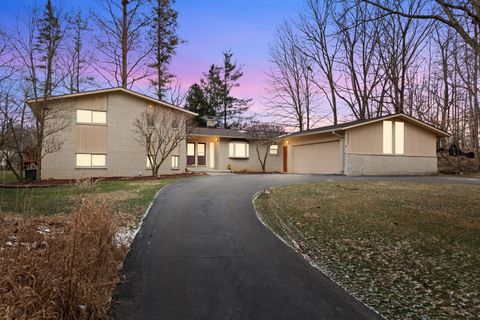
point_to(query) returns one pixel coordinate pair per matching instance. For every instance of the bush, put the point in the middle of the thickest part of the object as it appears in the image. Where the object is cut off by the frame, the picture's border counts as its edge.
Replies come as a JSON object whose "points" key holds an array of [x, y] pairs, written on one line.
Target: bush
{"points": [[63, 266]]}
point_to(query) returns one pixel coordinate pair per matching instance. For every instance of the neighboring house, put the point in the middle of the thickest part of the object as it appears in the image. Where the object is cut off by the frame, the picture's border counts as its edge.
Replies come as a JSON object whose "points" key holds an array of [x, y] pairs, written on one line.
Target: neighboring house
{"points": [[390, 145], [100, 142]]}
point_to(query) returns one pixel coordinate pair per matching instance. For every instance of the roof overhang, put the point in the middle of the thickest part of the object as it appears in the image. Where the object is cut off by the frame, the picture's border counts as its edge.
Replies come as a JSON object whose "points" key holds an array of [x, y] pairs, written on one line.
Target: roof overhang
{"points": [[436, 131], [33, 102]]}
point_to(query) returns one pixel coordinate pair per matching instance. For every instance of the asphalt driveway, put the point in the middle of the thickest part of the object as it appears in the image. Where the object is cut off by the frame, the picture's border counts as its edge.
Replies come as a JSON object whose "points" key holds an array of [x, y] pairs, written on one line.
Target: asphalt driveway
{"points": [[202, 254]]}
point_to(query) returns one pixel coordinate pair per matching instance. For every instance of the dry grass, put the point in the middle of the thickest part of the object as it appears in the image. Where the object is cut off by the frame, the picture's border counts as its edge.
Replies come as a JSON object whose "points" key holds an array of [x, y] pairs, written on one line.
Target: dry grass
{"points": [[59, 267], [457, 165], [411, 251]]}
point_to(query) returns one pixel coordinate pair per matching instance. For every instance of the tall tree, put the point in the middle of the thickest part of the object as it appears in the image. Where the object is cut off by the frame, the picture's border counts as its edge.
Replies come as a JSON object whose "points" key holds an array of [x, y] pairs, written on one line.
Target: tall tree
{"points": [[121, 42], [231, 109], [78, 57], [290, 85], [164, 40], [197, 102]]}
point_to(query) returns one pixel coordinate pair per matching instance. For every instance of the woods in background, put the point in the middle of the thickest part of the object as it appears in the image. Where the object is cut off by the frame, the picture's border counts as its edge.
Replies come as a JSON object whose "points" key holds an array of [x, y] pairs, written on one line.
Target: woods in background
{"points": [[364, 59]]}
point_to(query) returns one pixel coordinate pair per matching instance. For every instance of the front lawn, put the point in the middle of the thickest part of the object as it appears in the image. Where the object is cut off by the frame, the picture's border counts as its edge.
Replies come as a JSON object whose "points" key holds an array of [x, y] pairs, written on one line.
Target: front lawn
{"points": [[407, 250], [125, 196]]}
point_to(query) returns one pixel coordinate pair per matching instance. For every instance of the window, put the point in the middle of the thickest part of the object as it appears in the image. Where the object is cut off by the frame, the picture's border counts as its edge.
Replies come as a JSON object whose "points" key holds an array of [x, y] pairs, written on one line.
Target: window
{"points": [[399, 137], [88, 116], [90, 160], [201, 149], [149, 165], [238, 150], [274, 149], [387, 137], [190, 149], [175, 160], [390, 135]]}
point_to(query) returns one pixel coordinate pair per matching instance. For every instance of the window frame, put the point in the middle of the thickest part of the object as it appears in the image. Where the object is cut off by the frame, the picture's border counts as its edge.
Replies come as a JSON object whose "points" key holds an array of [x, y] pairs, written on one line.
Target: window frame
{"points": [[91, 116], [270, 150], [232, 150], [91, 166], [175, 162]]}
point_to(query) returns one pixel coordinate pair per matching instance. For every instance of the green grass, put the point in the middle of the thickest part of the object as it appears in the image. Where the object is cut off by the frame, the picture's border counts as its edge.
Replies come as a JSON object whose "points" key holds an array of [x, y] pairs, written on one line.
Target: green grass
{"points": [[408, 250], [124, 196], [7, 177]]}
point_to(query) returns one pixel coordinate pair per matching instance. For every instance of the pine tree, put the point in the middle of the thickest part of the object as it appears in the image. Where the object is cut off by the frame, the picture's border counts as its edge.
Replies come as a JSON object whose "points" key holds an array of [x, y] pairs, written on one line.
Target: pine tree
{"points": [[164, 41], [196, 101]]}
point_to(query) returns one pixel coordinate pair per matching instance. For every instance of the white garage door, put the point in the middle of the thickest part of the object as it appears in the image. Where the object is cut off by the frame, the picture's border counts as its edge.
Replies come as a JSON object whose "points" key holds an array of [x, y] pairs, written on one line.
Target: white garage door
{"points": [[317, 158]]}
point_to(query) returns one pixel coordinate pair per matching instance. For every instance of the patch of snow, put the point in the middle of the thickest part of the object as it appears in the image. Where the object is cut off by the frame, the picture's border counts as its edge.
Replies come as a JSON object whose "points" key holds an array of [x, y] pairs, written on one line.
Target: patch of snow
{"points": [[43, 230]]}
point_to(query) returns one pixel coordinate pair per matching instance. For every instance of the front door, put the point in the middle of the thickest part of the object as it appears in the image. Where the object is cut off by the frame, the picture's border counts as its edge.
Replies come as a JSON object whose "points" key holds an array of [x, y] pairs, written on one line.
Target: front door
{"points": [[190, 154], [201, 157], [285, 158]]}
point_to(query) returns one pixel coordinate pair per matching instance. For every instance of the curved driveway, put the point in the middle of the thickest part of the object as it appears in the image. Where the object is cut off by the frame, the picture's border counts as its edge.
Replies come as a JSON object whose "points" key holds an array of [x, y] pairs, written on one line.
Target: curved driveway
{"points": [[202, 254]]}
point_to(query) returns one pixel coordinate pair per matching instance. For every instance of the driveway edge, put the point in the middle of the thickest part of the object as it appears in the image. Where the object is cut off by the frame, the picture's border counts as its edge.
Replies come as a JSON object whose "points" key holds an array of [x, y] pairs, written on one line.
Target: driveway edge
{"points": [[295, 247]]}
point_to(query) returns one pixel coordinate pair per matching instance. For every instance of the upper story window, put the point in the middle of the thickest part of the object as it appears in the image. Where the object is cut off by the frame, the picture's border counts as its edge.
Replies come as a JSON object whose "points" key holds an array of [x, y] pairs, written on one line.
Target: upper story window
{"points": [[393, 137], [273, 150], [91, 117], [238, 150]]}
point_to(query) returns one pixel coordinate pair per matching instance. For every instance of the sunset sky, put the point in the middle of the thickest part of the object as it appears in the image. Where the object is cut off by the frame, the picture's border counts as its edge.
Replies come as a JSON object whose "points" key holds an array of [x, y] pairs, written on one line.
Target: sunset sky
{"points": [[210, 27]]}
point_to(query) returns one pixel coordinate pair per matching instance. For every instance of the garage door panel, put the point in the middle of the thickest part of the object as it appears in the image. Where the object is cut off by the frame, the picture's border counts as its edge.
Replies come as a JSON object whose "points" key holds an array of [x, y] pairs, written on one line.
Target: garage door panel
{"points": [[317, 158]]}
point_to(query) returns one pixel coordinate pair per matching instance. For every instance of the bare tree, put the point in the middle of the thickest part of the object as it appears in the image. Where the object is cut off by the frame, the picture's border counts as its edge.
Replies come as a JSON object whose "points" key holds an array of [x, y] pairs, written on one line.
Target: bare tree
{"points": [[121, 43], [289, 84], [266, 135], [174, 93], [78, 58], [319, 45], [359, 34], [160, 131]]}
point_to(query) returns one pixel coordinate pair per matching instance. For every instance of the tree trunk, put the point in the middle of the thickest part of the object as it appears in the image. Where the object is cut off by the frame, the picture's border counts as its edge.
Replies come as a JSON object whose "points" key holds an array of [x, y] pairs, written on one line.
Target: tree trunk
{"points": [[124, 43]]}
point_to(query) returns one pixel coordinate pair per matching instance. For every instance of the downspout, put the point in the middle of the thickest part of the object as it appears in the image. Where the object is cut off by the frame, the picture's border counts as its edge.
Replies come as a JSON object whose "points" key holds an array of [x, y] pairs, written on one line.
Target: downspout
{"points": [[342, 146]]}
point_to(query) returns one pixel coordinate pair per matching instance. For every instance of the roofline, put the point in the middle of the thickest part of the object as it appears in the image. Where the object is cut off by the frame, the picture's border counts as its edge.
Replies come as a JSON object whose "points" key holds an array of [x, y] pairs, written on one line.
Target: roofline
{"points": [[108, 90], [220, 136], [438, 132]]}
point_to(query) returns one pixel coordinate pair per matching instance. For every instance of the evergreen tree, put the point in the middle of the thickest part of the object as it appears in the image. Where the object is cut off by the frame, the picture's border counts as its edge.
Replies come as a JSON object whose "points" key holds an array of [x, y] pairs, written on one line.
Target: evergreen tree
{"points": [[231, 109], [196, 101], [48, 40], [164, 41]]}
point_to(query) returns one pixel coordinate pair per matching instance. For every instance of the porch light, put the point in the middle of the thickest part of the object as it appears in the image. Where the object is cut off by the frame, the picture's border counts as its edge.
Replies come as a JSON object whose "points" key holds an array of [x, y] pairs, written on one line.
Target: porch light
{"points": [[286, 142], [216, 139]]}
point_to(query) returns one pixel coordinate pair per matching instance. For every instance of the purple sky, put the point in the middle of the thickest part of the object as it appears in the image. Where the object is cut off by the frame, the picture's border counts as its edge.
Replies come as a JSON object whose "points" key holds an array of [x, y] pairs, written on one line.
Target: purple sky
{"points": [[210, 27]]}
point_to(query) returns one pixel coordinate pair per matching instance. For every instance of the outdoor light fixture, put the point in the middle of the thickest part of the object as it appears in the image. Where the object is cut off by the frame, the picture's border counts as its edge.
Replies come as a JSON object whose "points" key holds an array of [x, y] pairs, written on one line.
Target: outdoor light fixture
{"points": [[150, 106], [286, 142], [216, 139]]}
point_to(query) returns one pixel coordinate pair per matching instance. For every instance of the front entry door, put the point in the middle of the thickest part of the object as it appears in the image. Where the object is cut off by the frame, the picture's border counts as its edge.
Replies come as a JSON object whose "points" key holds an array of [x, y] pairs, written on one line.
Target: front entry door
{"points": [[201, 158], [285, 158], [190, 154]]}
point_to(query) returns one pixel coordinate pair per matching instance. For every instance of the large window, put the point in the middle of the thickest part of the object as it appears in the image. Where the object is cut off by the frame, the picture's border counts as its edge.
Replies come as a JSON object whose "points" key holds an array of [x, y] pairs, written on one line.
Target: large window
{"points": [[149, 163], [90, 160], [238, 150], [393, 137], [91, 117], [387, 137], [274, 149], [399, 137]]}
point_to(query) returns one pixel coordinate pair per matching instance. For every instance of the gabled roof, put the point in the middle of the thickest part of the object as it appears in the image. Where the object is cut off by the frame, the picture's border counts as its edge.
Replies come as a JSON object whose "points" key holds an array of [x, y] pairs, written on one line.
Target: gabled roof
{"points": [[220, 132], [358, 123], [109, 90]]}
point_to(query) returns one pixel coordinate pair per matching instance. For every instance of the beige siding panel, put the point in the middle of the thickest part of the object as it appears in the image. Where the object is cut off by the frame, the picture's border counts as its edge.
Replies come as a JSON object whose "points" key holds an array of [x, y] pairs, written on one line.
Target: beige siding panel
{"points": [[94, 102], [90, 139], [317, 158], [419, 142], [366, 139]]}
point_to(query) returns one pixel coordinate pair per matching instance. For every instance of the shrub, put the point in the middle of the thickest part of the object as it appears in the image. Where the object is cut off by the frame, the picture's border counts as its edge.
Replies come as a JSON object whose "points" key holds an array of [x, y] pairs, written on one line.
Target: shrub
{"points": [[62, 266]]}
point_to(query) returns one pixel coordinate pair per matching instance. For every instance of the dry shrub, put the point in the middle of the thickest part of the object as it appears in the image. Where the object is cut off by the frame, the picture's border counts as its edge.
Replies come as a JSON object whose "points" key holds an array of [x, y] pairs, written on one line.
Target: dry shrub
{"points": [[60, 267]]}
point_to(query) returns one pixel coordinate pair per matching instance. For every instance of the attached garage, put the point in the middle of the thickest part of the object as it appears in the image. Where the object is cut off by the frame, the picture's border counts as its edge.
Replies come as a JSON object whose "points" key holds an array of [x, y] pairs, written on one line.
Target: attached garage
{"points": [[323, 157], [391, 145]]}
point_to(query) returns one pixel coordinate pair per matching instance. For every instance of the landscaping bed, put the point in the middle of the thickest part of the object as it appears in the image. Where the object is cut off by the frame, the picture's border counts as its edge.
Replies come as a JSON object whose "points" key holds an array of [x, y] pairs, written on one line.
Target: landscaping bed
{"points": [[61, 247], [407, 250]]}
